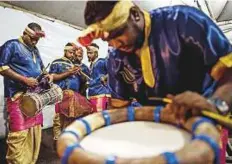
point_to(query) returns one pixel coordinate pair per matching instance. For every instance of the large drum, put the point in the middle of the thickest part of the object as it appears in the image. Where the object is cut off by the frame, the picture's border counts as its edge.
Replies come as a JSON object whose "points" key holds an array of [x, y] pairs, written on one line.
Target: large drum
{"points": [[32, 103], [139, 135]]}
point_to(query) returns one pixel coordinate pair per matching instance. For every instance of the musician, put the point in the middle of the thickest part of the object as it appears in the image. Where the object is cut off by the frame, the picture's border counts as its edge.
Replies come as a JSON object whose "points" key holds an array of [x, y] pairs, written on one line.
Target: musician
{"points": [[84, 68], [174, 50], [67, 75], [21, 64], [99, 93]]}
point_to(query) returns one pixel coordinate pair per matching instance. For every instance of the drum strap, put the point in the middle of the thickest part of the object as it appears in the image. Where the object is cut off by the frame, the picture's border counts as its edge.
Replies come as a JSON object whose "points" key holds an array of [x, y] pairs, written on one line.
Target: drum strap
{"points": [[213, 144], [130, 113], [71, 132], [110, 160], [87, 126], [170, 158], [200, 121], [68, 151], [106, 117], [157, 113]]}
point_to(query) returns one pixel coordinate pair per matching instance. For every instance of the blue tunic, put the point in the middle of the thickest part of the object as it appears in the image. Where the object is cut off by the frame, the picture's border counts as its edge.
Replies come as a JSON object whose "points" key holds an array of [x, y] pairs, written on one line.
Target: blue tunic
{"points": [[60, 66], [184, 45], [98, 70], [83, 79], [22, 59]]}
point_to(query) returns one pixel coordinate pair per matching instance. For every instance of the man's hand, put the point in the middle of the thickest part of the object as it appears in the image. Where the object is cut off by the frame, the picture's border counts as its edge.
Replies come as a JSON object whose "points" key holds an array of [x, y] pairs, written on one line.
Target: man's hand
{"points": [[189, 103], [30, 81], [104, 80], [74, 70], [50, 77]]}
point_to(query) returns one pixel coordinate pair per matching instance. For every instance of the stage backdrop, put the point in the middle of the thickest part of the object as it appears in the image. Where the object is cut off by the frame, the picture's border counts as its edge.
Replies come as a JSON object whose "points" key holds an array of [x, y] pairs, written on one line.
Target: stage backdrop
{"points": [[58, 34]]}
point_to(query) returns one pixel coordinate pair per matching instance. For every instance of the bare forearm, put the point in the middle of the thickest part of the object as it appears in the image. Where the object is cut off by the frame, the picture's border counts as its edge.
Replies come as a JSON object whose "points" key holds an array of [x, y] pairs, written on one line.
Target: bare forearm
{"points": [[13, 75], [61, 76], [224, 90]]}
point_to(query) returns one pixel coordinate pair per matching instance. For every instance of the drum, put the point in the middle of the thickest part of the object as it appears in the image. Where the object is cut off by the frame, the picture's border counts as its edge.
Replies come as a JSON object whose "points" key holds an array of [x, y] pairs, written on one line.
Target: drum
{"points": [[32, 103], [74, 105], [139, 135]]}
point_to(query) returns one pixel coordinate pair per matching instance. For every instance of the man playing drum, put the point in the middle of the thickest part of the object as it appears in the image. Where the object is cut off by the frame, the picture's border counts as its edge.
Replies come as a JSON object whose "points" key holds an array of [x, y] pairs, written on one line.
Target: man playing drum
{"points": [[84, 68], [99, 94], [21, 64], [176, 51], [66, 75]]}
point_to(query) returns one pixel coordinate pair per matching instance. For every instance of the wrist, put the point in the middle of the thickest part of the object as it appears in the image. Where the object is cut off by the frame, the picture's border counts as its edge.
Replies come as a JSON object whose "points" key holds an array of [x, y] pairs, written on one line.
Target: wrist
{"points": [[220, 105], [24, 79]]}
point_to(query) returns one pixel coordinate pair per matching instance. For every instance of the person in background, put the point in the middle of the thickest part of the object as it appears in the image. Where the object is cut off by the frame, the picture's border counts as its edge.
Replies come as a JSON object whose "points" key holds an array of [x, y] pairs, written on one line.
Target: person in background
{"points": [[175, 51], [20, 65], [67, 76], [84, 69], [99, 94]]}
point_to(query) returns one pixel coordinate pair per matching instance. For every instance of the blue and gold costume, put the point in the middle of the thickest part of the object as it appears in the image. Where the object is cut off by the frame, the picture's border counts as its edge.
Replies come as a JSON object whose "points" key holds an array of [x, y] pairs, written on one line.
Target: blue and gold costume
{"points": [[23, 60], [24, 135], [184, 45], [71, 82], [98, 69]]}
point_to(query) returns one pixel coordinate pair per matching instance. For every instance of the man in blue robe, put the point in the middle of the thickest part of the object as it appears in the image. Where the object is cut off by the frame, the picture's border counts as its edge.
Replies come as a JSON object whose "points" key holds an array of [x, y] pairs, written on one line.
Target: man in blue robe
{"points": [[98, 94], [177, 51]]}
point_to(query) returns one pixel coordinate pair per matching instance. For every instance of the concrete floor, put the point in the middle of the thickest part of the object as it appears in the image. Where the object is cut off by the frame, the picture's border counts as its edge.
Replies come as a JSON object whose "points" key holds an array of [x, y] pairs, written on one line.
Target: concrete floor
{"points": [[47, 152]]}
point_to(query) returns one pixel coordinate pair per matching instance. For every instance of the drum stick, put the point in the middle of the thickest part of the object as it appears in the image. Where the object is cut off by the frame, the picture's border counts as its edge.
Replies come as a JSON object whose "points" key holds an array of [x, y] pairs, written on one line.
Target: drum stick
{"points": [[222, 120], [85, 75], [44, 70]]}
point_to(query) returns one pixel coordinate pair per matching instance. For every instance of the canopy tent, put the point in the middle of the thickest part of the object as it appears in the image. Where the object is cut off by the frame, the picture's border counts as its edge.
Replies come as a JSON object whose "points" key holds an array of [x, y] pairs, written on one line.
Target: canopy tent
{"points": [[72, 11]]}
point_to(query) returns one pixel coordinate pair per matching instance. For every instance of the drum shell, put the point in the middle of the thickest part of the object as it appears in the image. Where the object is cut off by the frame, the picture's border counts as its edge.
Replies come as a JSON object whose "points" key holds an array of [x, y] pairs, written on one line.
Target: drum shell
{"points": [[33, 103]]}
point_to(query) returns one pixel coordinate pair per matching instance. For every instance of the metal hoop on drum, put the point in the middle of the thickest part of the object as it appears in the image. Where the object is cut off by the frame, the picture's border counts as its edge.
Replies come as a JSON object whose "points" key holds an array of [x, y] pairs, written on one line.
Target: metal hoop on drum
{"points": [[203, 148]]}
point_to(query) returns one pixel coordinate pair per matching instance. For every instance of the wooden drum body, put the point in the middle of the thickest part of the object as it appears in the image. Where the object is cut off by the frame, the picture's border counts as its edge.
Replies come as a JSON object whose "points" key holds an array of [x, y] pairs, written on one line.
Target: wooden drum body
{"points": [[33, 103], [196, 142]]}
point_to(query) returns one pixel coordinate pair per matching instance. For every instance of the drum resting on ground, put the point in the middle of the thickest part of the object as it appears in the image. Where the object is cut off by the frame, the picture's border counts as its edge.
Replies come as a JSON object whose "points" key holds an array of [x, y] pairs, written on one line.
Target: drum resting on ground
{"points": [[139, 135]]}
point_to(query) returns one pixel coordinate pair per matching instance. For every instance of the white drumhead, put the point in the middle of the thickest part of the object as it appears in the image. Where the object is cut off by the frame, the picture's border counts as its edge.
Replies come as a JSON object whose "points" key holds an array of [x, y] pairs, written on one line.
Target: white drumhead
{"points": [[135, 139]]}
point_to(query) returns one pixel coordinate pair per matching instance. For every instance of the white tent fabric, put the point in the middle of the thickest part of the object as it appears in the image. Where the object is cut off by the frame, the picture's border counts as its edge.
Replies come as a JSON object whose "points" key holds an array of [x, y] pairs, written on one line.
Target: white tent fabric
{"points": [[51, 47]]}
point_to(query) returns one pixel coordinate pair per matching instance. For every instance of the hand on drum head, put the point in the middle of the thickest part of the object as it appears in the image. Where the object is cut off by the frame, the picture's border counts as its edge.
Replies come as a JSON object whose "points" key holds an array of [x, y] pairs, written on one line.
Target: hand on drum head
{"points": [[30, 81], [188, 104]]}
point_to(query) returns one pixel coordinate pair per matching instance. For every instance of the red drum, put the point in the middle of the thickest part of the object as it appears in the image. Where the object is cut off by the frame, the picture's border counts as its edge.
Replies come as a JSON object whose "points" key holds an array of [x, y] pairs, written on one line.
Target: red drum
{"points": [[74, 105]]}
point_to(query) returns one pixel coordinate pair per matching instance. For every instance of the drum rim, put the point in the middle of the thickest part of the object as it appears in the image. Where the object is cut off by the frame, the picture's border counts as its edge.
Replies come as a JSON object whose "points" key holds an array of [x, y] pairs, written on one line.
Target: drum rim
{"points": [[69, 141]]}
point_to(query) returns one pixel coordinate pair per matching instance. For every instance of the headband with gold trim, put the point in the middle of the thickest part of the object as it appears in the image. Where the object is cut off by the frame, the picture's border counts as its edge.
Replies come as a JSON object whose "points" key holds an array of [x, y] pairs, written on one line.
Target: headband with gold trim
{"points": [[32, 33], [68, 48], [114, 20], [92, 48]]}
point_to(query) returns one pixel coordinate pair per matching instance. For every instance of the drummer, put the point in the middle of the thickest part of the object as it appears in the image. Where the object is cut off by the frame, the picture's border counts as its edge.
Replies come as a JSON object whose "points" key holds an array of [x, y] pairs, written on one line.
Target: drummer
{"points": [[20, 64], [65, 74], [99, 93], [174, 50], [78, 57]]}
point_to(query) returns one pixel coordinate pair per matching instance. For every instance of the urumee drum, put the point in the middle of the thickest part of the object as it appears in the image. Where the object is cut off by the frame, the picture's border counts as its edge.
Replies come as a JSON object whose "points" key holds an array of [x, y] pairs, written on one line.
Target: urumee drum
{"points": [[32, 103], [139, 135]]}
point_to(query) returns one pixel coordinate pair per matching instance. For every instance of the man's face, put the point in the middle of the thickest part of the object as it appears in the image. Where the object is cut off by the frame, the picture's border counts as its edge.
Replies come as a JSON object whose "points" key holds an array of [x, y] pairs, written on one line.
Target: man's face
{"points": [[91, 54], [79, 54], [70, 54], [128, 37], [29, 40]]}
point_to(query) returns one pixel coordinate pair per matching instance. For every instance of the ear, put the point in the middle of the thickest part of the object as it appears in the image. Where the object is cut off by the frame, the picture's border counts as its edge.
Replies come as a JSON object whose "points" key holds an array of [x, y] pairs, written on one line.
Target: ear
{"points": [[135, 14]]}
